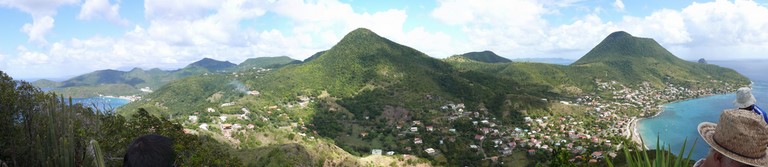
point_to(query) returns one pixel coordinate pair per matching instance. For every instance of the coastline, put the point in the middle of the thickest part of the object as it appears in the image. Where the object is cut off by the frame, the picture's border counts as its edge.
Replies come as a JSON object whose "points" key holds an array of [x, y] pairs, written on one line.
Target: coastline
{"points": [[634, 133]]}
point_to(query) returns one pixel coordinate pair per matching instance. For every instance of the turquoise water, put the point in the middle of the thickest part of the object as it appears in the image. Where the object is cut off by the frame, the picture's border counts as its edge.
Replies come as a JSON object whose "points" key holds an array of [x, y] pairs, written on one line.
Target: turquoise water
{"points": [[680, 119], [101, 103]]}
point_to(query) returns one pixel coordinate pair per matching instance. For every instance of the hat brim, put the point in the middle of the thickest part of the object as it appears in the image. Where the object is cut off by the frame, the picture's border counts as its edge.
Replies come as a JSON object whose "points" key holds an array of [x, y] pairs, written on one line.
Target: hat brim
{"points": [[745, 104], [707, 131]]}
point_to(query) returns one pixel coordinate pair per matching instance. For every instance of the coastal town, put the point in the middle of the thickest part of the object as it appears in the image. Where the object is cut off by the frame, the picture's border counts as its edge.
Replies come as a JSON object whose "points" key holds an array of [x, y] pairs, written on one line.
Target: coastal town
{"points": [[590, 127]]}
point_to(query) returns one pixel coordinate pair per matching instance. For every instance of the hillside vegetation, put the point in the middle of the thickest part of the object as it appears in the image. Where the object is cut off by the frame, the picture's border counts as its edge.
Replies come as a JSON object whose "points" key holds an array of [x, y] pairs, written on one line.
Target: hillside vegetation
{"points": [[484, 56], [366, 93], [619, 57], [127, 83]]}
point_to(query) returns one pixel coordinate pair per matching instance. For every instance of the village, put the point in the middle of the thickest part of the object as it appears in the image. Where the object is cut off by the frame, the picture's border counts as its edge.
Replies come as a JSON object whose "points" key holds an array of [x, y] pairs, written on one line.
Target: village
{"points": [[589, 138]]}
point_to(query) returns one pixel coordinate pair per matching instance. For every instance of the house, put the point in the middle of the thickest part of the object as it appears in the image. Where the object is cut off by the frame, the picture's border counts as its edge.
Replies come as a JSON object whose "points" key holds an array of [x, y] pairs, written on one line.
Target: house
{"points": [[223, 118], [416, 122], [452, 130], [203, 126], [390, 153], [414, 129], [236, 126], [417, 141], [193, 118], [211, 110], [376, 152], [251, 126], [363, 134], [479, 137], [597, 155], [473, 146], [430, 128], [226, 126], [531, 152], [486, 130], [429, 150], [228, 104], [253, 92]]}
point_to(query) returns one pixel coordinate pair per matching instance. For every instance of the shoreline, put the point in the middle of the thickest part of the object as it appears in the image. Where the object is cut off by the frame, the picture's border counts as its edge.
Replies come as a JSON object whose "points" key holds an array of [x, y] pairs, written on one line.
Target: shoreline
{"points": [[634, 134]]}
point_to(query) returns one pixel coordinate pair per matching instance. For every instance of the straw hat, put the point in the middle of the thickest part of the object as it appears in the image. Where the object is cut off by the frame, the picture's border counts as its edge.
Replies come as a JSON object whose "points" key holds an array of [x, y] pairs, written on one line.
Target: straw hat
{"points": [[741, 136], [744, 98]]}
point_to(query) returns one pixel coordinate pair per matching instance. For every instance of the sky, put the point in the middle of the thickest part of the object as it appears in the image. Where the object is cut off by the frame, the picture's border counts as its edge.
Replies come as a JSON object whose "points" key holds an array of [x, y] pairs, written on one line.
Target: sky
{"points": [[64, 38]]}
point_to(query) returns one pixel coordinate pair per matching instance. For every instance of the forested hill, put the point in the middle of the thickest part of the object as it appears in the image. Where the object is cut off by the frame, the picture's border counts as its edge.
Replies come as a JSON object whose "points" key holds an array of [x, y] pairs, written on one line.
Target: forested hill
{"points": [[363, 83], [484, 56], [266, 62], [619, 57], [123, 83], [211, 64]]}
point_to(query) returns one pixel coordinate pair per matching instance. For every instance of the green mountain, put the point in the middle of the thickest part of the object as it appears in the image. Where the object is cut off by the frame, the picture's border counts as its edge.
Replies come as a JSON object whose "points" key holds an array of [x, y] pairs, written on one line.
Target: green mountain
{"points": [[44, 83], [212, 65], [122, 83], [314, 56], [633, 59], [358, 92], [484, 56], [266, 62], [619, 57], [363, 83]]}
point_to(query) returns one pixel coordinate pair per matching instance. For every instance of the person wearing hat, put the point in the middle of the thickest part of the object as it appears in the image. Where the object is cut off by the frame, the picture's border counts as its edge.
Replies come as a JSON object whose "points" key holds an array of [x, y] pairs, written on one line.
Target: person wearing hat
{"points": [[746, 101], [740, 139]]}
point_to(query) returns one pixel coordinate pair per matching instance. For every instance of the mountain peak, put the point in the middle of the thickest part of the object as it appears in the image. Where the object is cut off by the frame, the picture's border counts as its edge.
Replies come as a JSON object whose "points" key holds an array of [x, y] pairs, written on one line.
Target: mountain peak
{"points": [[619, 34], [212, 64], [364, 45], [484, 56], [621, 46], [361, 35]]}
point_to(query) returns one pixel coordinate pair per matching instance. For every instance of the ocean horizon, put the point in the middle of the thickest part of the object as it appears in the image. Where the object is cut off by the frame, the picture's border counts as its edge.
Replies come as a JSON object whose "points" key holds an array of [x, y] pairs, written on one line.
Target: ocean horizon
{"points": [[678, 121]]}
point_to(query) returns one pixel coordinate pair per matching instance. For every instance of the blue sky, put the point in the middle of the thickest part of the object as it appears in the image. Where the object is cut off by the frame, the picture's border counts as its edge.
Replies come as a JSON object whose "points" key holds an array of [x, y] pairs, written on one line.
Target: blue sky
{"points": [[63, 38]]}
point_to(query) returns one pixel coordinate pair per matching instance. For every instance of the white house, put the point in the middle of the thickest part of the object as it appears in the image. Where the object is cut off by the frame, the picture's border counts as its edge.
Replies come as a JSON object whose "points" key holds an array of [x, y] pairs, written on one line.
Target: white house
{"points": [[376, 152], [429, 150], [223, 118], [211, 110], [204, 126], [193, 118], [414, 129]]}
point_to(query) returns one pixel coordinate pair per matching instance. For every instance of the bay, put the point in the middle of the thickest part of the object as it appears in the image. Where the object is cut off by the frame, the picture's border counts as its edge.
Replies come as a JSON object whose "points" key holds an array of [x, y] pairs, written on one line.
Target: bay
{"points": [[679, 120], [101, 103]]}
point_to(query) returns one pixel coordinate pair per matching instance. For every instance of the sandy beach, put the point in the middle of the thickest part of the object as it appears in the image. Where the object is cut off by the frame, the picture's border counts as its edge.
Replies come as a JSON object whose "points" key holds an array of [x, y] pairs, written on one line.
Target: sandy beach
{"points": [[634, 135]]}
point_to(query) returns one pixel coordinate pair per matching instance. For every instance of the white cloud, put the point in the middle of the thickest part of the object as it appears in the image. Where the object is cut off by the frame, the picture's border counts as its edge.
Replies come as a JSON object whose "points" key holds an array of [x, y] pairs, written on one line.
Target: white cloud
{"points": [[41, 11], [93, 9], [38, 8], [666, 26], [180, 32], [619, 5], [39, 27], [178, 9]]}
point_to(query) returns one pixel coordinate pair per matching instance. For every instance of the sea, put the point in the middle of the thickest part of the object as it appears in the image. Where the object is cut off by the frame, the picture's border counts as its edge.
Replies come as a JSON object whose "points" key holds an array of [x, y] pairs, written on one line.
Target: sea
{"points": [[678, 122], [101, 103]]}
